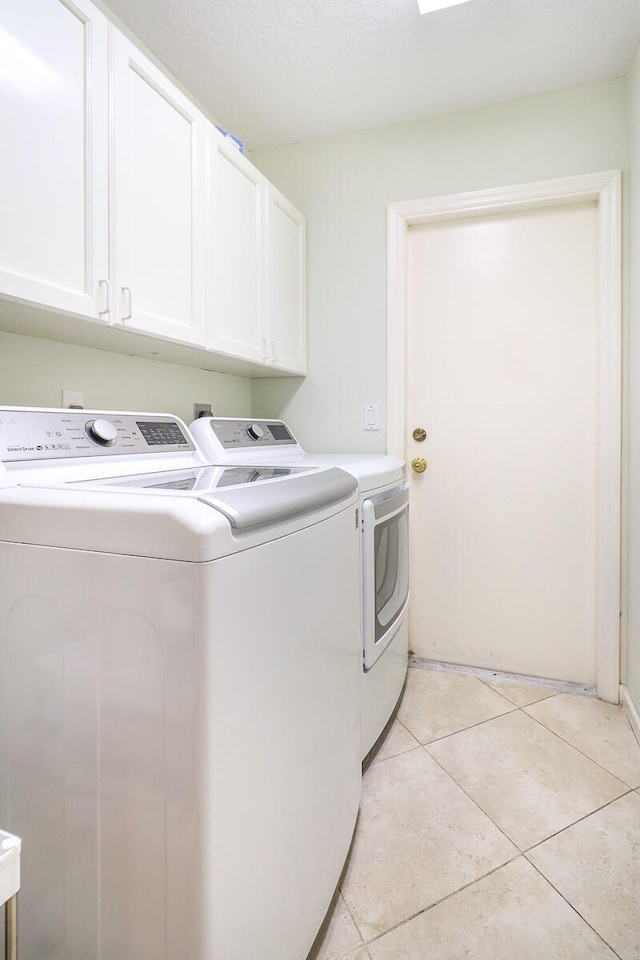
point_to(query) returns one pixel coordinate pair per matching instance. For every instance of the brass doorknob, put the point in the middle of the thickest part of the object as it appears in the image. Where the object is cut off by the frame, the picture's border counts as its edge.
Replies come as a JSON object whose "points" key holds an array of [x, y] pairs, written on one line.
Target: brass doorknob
{"points": [[419, 464], [419, 434]]}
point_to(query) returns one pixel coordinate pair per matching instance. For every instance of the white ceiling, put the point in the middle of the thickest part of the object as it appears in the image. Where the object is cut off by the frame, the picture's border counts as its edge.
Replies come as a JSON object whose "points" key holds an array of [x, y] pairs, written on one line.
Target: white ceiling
{"points": [[275, 72]]}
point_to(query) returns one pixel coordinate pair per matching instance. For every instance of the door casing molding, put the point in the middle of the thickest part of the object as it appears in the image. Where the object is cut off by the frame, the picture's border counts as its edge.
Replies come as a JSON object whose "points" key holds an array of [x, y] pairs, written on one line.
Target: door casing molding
{"points": [[606, 190]]}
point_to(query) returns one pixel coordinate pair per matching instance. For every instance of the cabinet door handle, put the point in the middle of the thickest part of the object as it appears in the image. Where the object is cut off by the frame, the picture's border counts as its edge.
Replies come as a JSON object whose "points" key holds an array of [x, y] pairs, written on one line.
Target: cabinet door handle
{"points": [[265, 350], [129, 314], [274, 351], [107, 297]]}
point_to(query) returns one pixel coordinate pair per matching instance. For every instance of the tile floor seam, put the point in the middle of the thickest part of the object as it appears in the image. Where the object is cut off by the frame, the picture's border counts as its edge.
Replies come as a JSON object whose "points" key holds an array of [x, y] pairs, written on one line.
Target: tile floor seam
{"points": [[473, 800], [479, 723], [393, 756], [520, 854], [572, 906], [405, 727], [524, 850], [400, 752], [516, 849], [575, 822], [573, 746], [363, 942], [447, 896], [339, 895]]}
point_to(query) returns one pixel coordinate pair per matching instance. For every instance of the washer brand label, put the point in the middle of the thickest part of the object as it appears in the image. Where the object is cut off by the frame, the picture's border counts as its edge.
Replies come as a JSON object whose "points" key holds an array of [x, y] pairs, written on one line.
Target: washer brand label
{"points": [[38, 448]]}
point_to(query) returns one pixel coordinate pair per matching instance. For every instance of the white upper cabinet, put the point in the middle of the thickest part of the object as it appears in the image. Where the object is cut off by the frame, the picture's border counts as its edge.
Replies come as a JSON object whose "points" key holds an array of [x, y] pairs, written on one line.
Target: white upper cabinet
{"points": [[122, 204], [256, 265], [235, 262], [159, 201], [285, 283], [53, 162]]}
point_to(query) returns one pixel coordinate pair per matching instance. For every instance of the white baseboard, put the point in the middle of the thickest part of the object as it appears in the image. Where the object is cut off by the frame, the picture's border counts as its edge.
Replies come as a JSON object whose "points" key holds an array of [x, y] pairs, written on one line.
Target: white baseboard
{"points": [[631, 711], [559, 686]]}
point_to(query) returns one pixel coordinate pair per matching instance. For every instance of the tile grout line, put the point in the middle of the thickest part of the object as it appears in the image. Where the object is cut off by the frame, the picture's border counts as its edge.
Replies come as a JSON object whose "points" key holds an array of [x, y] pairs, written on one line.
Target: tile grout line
{"points": [[472, 799], [400, 752], [572, 746], [578, 749], [363, 942], [521, 852], [624, 793], [570, 826], [471, 726], [522, 709], [436, 903], [424, 746], [571, 905]]}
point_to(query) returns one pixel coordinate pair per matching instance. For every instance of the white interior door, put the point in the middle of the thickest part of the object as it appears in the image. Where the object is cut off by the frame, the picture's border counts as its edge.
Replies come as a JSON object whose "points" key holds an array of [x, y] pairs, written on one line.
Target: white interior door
{"points": [[502, 373]]}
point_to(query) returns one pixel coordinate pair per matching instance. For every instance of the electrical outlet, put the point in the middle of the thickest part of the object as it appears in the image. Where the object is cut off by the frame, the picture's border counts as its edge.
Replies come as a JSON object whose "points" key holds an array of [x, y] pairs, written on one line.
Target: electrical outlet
{"points": [[201, 410], [72, 399]]}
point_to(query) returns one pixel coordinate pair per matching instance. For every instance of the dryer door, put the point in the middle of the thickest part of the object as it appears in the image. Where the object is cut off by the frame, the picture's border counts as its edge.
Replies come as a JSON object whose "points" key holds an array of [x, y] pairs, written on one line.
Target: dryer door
{"points": [[385, 566]]}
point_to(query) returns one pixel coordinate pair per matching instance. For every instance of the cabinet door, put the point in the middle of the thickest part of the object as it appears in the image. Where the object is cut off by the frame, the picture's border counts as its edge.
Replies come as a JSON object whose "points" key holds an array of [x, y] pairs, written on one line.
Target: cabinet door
{"points": [[235, 261], [159, 146], [286, 293], [53, 163]]}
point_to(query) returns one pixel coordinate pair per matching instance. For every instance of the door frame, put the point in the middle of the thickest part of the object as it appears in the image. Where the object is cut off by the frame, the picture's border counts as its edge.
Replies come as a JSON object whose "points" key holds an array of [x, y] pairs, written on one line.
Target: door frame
{"points": [[606, 190]]}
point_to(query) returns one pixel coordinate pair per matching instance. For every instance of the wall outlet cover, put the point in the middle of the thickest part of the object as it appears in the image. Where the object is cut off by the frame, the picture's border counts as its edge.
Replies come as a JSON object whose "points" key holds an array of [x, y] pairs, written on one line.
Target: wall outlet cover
{"points": [[201, 410]]}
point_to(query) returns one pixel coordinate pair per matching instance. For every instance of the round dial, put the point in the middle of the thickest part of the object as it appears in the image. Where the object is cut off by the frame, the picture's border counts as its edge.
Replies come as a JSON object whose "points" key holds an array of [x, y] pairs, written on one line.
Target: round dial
{"points": [[102, 431], [255, 431]]}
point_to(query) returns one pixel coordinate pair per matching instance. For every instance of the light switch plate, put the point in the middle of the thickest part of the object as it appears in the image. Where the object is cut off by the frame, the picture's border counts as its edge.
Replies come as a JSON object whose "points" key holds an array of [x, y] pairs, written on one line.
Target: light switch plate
{"points": [[371, 416]]}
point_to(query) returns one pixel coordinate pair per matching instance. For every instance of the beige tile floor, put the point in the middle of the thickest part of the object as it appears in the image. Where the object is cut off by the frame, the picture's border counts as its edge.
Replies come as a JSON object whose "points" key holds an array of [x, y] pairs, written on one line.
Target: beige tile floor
{"points": [[499, 821]]}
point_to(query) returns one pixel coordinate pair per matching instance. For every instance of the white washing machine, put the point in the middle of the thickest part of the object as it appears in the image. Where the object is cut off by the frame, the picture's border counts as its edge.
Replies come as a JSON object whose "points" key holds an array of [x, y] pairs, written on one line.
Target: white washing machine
{"points": [[384, 523], [179, 731]]}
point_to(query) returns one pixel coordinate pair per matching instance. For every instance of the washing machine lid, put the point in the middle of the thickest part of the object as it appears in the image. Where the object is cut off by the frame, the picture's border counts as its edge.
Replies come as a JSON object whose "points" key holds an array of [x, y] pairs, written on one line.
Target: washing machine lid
{"points": [[170, 523], [247, 495], [193, 479]]}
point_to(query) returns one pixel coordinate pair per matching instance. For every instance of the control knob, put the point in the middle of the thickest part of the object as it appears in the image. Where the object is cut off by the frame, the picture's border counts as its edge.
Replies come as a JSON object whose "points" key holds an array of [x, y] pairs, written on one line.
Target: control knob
{"points": [[102, 431], [255, 431]]}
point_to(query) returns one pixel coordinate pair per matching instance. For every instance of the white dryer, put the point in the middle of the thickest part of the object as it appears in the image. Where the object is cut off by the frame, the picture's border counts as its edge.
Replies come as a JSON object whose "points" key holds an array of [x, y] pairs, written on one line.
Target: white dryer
{"points": [[384, 565], [180, 743]]}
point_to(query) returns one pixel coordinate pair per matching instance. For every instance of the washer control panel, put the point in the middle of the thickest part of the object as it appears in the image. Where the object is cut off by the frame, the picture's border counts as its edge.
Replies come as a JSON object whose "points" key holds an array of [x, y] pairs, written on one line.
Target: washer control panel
{"points": [[239, 434], [57, 434]]}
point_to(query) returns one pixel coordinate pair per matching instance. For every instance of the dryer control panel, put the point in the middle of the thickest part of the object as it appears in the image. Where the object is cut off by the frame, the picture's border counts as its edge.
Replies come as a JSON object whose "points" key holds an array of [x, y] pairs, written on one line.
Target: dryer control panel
{"points": [[37, 434], [242, 434]]}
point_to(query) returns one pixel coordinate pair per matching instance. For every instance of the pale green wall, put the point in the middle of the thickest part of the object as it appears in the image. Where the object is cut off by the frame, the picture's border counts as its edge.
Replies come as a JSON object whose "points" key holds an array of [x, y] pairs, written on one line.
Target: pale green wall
{"points": [[33, 372], [343, 186], [631, 668]]}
